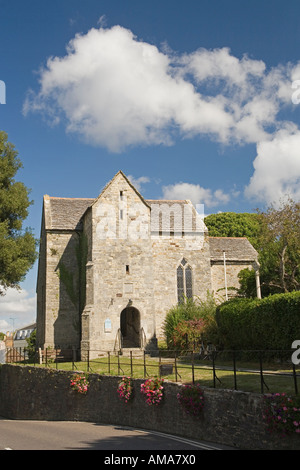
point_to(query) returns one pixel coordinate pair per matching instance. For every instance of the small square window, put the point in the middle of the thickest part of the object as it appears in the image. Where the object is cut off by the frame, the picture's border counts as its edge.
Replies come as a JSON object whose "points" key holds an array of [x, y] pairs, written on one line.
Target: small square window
{"points": [[127, 269]]}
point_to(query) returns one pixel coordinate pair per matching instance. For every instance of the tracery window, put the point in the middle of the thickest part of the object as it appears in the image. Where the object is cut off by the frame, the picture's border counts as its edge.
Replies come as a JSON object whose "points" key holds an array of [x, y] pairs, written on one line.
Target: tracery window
{"points": [[184, 281]]}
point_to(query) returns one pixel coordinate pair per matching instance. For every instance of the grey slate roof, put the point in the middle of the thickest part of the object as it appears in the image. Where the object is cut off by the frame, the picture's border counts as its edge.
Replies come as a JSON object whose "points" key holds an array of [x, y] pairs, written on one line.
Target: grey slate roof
{"points": [[66, 213], [237, 249]]}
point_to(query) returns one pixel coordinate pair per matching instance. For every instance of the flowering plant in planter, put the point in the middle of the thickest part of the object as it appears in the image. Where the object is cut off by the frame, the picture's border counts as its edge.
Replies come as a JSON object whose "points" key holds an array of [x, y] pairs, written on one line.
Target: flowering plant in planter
{"points": [[282, 413], [125, 389], [191, 399], [79, 383], [153, 389]]}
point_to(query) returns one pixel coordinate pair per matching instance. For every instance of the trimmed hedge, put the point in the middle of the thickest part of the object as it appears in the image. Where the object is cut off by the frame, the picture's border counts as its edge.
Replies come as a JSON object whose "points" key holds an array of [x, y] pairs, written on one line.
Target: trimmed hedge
{"points": [[269, 323]]}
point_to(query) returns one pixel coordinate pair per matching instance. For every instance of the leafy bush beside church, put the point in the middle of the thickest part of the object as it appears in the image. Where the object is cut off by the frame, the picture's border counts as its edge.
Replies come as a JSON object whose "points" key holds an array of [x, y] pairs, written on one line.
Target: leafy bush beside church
{"points": [[269, 323]]}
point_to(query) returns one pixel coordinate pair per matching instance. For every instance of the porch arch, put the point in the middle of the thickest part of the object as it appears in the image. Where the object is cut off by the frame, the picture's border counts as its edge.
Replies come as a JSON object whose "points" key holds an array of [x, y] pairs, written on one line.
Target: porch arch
{"points": [[130, 324]]}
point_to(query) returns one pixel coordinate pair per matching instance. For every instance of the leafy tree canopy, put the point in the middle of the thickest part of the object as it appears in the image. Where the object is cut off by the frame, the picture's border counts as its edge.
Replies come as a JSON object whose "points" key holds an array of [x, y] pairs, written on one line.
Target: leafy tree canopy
{"points": [[17, 245], [232, 224], [280, 246]]}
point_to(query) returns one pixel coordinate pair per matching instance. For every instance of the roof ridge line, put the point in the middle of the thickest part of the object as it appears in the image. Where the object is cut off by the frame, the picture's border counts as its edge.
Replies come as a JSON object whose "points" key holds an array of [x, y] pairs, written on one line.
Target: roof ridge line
{"points": [[71, 198], [232, 238]]}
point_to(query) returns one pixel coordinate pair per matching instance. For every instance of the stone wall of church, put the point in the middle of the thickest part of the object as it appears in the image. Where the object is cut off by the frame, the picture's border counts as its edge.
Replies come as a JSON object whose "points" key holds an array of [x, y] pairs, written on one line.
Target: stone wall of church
{"points": [[218, 277], [62, 326], [41, 290], [167, 255]]}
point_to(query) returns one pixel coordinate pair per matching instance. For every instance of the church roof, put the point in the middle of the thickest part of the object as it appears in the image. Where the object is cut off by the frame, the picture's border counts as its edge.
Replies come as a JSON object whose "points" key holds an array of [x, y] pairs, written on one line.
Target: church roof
{"points": [[236, 248], [65, 213], [166, 215]]}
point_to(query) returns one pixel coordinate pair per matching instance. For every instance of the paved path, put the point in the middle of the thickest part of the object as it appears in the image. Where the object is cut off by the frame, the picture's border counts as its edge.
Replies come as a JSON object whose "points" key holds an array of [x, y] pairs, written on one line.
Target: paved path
{"points": [[66, 435]]}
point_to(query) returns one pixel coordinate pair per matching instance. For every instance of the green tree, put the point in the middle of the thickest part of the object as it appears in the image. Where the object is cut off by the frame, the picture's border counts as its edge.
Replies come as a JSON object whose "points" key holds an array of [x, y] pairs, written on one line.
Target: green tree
{"points": [[31, 345], [279, 252], [231, 224], [17, 245]]}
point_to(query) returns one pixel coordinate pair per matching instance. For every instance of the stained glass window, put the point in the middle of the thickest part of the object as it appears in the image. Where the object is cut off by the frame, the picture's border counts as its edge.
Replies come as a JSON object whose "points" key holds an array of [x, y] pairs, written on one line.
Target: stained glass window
{"points": [[180, 284], [188, 283], [184, 281]]}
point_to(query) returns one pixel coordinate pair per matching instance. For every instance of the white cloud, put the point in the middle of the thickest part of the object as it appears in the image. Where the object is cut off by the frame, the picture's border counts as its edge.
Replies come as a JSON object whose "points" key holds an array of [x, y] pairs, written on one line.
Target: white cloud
{"points": [[277, 168], [195, 193], [17, 308], [5, 326], [218, 64], [116, 91], [138, 182]]}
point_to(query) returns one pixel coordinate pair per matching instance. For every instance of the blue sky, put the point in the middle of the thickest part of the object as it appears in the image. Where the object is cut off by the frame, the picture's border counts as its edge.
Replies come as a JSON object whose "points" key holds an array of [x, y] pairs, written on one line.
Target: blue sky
{"points": [[190, 99]]}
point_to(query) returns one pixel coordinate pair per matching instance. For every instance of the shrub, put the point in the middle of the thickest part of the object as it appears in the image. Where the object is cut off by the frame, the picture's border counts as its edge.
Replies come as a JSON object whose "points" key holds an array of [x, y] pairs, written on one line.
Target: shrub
{"points": [[270, 323], [31, 345], [187, 333], [190, 310]]}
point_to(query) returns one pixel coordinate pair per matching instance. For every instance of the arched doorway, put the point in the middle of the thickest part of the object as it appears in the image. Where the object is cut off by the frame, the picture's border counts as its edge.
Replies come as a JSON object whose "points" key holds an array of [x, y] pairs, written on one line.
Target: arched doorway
{"points": [[130, 327]]}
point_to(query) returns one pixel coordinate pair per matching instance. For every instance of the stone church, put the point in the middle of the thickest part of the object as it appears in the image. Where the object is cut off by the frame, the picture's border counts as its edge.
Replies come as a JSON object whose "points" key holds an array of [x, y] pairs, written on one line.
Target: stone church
{"points": [[111, 267]]}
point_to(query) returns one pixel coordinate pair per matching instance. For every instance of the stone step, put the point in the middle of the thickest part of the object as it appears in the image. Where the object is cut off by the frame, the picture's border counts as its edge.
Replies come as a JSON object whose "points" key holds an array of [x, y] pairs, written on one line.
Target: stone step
{"points": [[135, 352]]}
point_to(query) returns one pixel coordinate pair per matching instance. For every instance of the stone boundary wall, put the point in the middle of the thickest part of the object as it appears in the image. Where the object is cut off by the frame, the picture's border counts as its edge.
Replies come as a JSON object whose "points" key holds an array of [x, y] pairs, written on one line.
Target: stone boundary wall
{"points": [[232, 418]]}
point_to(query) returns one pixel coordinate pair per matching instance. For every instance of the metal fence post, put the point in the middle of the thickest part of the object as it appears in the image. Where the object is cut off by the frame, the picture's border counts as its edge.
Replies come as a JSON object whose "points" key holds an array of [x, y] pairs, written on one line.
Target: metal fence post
{"points": [[295, 379], [145, 370], [193, 369], [159, 364], [261, 374], [234, 371]]}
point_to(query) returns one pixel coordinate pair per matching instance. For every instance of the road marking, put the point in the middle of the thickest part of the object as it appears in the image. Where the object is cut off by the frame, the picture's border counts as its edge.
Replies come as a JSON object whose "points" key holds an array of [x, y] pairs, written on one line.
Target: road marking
{"points": [[174, 438]]}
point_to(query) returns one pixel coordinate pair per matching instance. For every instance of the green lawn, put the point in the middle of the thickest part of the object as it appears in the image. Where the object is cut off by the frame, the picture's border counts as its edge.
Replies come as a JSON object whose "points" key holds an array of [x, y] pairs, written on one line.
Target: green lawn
{"points": [[247, 373]]}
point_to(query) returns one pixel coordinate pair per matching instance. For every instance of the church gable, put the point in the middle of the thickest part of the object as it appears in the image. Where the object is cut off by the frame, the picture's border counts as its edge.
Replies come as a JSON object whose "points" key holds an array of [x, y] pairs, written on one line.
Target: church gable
{"points": [[120, 211]]}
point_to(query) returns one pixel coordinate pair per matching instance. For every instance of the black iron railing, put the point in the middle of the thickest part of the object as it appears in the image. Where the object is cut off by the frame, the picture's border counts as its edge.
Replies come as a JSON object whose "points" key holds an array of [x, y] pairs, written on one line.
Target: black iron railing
{"points": [[260, 371]]}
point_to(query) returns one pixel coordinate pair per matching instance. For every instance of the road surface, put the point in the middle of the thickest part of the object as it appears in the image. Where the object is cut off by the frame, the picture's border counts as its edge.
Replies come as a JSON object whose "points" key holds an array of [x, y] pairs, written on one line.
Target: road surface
{"points": [[66, 435]]}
